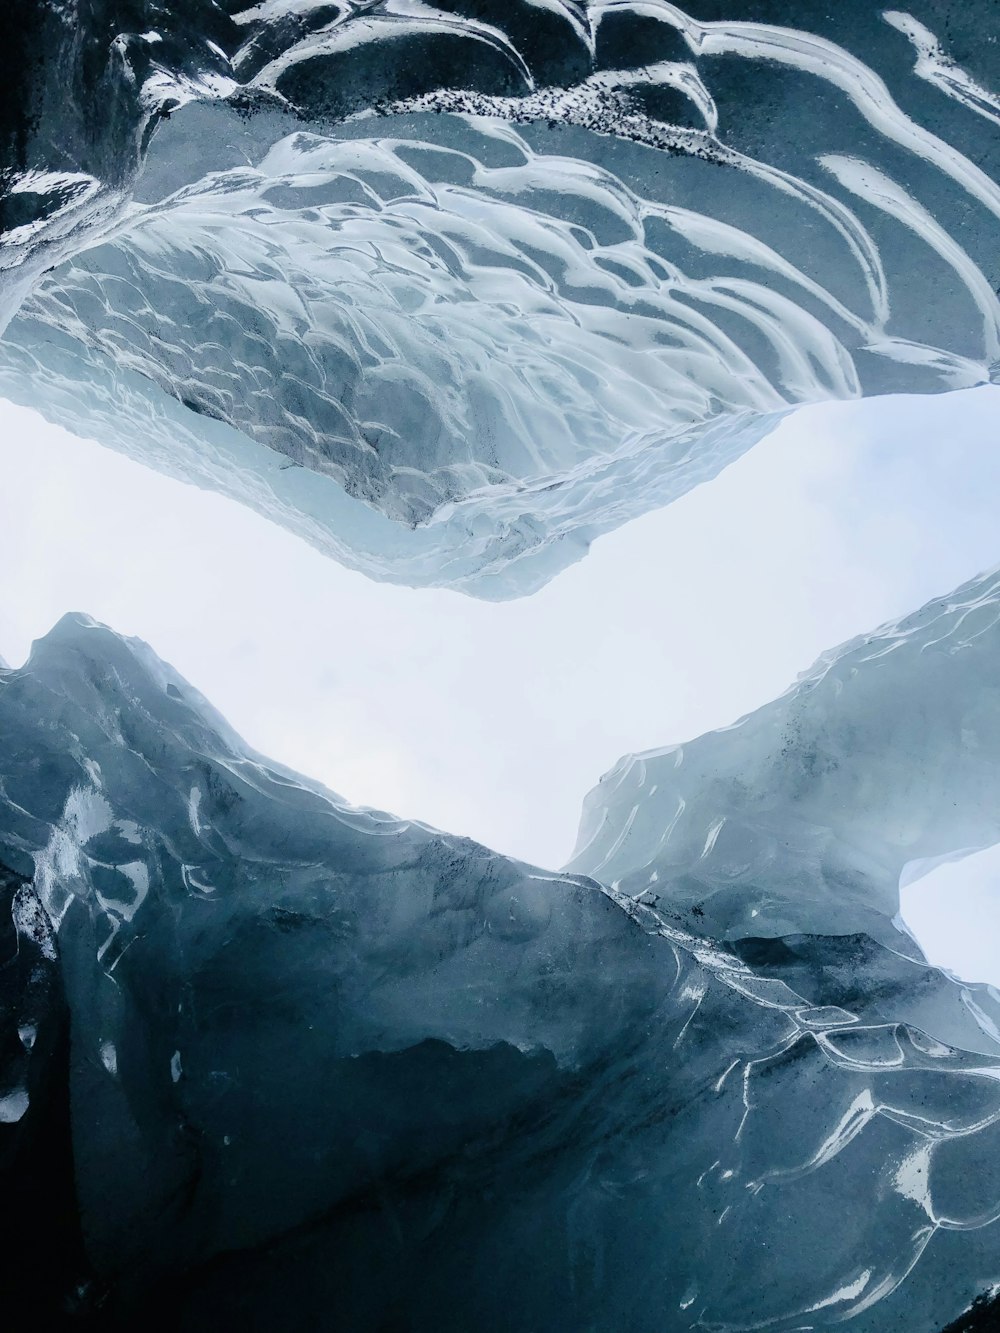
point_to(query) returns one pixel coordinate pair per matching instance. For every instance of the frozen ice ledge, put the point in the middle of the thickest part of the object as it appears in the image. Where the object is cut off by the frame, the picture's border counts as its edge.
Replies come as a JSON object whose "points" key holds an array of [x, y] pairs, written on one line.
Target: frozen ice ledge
{"points": [[268, 1060], [450, 289]]}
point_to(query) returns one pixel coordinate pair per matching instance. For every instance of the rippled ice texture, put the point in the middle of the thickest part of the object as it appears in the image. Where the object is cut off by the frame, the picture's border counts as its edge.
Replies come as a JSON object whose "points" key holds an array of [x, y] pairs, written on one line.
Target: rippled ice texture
{"points": [[451, 290], [259, 1042]]}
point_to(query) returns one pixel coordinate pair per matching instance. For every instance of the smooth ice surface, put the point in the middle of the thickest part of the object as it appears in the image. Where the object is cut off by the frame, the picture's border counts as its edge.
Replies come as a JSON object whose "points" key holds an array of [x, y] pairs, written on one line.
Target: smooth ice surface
{"points": [[451, 290], [805, 813], [310, 1047]]}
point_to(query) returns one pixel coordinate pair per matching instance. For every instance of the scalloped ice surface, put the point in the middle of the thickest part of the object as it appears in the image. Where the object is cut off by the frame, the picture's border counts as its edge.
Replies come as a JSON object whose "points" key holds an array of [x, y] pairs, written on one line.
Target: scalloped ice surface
{"points": [[257, 1041], [450, 290]]}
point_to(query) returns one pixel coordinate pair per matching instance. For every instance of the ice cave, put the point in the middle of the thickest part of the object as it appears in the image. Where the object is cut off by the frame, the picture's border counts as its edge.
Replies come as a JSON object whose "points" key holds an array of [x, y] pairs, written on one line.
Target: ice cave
{"points": [[470, 398]]}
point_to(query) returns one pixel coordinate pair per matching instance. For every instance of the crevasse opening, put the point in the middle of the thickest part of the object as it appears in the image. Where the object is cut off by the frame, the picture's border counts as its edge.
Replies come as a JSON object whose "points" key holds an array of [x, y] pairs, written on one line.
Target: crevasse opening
{"points": [[428, 702]]}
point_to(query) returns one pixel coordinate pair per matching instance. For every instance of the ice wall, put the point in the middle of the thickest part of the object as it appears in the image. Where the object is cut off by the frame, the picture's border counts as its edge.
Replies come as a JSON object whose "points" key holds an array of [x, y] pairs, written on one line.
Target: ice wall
{"points": [[268, 1060]]}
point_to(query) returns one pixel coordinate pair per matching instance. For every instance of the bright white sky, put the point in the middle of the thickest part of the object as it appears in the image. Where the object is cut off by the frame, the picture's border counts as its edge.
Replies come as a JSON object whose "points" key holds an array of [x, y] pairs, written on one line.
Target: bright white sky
{"points": [[494, 720]]}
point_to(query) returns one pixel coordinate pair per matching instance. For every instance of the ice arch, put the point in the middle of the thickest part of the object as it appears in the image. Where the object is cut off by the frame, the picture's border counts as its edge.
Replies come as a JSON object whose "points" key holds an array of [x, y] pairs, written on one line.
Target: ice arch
{"points": [[802, 815]]}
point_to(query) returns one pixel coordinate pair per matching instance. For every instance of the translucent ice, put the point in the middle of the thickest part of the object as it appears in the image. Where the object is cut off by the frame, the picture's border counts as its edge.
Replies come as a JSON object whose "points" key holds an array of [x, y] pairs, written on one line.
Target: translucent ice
{"points": [[452, 289], [803, 815]]}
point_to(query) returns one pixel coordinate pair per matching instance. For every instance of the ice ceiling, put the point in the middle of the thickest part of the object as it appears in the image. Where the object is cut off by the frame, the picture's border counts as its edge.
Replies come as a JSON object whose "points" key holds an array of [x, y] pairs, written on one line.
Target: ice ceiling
{"points": [[449, 291], [452, 290]]}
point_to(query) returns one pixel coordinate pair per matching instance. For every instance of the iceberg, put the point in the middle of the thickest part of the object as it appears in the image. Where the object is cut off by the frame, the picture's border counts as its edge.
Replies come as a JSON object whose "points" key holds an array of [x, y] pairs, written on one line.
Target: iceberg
{"points": [[272, 1060], [452, 289]]}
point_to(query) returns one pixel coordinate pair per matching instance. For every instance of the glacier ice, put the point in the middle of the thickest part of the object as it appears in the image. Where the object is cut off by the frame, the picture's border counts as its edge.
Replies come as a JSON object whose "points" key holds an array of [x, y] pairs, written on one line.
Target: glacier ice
{"points": [[805, 814], [451, 289], [300, 1064]]}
